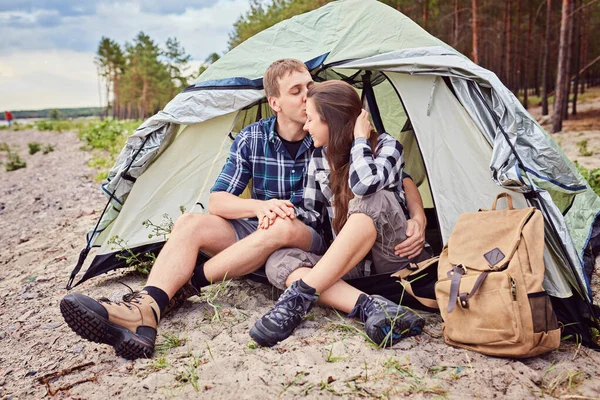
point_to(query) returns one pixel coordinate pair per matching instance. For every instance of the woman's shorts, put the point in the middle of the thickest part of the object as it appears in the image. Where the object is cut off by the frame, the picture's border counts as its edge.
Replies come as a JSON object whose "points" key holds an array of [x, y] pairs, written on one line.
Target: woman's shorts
{"points": [[390, 224]]}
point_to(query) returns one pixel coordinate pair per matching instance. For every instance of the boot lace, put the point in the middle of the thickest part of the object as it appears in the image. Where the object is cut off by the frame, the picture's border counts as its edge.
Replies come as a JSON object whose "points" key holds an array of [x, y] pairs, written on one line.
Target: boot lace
{"points": [[133, 297], [290, 304]]}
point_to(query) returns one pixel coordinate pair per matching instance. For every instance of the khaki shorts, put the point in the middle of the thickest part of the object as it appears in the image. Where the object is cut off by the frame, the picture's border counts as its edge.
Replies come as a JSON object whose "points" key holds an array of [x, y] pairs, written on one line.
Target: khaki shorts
{"points": [[390, 223]]}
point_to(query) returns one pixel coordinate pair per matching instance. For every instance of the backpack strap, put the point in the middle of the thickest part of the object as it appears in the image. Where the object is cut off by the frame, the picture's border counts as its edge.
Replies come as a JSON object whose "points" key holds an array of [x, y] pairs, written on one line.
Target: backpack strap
{"points": [[455, 274], [431, 303], [465, 297], [508, 200]]}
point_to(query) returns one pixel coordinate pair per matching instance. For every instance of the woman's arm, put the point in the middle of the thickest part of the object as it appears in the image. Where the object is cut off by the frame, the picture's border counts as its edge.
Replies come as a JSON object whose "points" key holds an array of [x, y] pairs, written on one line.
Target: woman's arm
{"points": [[369, 173], [314, 204], [415, 226]]}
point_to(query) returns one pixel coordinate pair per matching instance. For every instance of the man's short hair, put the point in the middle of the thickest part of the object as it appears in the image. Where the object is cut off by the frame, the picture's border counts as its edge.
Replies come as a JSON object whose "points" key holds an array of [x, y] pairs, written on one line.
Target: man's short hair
{"points": [[278, 70]]}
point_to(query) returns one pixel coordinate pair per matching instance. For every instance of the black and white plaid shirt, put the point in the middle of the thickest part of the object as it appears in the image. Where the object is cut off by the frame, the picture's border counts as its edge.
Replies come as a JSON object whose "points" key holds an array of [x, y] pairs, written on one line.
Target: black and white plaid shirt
{"points": [[368, 174]]}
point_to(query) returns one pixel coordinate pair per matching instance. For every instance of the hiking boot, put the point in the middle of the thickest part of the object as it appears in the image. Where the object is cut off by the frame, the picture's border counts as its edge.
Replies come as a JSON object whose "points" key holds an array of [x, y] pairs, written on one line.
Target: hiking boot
{"points": [[386, 322], [128, 326], [289, 311], [180, 297]]}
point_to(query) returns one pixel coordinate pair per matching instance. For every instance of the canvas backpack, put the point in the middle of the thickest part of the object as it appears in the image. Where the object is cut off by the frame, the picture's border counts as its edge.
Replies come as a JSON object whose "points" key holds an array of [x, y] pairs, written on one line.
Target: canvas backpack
{"points": [[489, 287]]}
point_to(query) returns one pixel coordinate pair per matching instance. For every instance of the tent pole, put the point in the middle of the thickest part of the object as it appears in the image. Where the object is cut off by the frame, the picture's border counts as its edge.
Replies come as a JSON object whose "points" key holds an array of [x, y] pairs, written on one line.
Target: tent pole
{"points": [[84, 253]]}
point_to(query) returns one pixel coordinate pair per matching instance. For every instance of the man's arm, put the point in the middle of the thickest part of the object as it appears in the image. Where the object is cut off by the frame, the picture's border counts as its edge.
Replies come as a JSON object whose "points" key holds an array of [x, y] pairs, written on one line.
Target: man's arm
{"points": [[415, 227], [230, 206], [231, 182]]}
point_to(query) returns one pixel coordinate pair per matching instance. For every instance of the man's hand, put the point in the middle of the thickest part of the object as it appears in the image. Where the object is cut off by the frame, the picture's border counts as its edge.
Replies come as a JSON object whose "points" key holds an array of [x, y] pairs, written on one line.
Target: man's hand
{"points": [[269, 210], [362, 127], [415, 240]]}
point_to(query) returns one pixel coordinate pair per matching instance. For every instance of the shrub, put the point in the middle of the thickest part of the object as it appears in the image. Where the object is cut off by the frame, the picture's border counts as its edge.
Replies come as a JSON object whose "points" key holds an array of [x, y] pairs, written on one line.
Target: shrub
{"points": [[592, 176], [108, 134], [34, 147], [14, 162], [4, 147], [47, 148], [583, 149]]}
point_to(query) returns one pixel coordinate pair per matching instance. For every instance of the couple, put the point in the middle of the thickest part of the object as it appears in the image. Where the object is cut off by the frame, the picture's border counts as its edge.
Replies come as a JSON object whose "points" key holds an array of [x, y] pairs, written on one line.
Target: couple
{"points": [[287, 224]]}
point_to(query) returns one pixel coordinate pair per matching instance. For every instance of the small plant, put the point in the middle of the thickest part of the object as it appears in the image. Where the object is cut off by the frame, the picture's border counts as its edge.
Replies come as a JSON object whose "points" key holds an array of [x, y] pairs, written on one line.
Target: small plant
{"points": [[159, 363], [101, 176], [47, 148], [210, 294], [14, 162], [190, 373], [4, 147], [592, 176], [141, 263], [34, 147], [170, 341], [162, 229], [583, 149], [331, 358]]}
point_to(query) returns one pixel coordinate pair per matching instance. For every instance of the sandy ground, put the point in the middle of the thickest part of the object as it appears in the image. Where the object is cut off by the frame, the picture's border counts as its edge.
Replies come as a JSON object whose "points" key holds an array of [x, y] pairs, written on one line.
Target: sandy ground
{"points": [[45, 211]]}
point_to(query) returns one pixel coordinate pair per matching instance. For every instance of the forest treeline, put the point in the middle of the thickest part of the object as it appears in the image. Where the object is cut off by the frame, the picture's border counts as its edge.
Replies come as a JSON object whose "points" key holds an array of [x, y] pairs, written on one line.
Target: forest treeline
{"points": [[55, 113], [141, 77], [540, 49]]}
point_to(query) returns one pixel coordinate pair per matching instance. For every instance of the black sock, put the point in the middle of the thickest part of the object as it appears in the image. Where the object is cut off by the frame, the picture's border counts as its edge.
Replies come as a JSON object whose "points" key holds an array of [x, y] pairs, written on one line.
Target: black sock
{"points": [[305, 288], [199, 279], [161, 298]]}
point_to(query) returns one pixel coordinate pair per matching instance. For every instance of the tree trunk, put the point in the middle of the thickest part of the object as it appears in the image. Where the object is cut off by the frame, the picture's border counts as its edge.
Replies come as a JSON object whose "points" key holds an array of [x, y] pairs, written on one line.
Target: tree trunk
{"points": [[517, 53], [525, 63], [474, 32], [144, 102], [503, 74], [509, 77], [425, 12], [545, 63], [577, 56], [562, 78], [455, 26], [571, 22]]}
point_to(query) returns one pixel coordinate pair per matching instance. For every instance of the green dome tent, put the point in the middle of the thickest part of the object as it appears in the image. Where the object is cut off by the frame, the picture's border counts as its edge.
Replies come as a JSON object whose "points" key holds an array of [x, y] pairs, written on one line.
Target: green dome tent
{"points": [[466, 139]]}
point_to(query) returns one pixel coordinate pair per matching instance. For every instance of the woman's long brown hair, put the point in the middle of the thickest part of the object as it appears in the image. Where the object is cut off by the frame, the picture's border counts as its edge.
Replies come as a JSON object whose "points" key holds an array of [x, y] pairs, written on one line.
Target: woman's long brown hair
{"points": [[339, 105]]}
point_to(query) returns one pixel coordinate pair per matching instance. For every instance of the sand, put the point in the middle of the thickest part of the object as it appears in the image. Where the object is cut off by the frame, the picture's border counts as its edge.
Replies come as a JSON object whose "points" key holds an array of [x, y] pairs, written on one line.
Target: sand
{"points": [[45, 211]]}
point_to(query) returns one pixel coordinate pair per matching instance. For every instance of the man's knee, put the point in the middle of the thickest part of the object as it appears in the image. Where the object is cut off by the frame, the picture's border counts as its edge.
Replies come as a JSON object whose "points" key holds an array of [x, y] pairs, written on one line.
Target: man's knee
{"points": [[286, 233], [202, 228]]}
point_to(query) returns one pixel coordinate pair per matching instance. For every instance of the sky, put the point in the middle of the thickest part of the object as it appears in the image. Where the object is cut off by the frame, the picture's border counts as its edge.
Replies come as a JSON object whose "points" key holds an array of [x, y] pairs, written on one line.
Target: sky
{"points": [[47, 47]]}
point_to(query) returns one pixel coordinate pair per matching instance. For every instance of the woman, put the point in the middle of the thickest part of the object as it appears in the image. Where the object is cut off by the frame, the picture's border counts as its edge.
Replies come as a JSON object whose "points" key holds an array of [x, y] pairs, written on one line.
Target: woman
{"points": [[354, 195]]}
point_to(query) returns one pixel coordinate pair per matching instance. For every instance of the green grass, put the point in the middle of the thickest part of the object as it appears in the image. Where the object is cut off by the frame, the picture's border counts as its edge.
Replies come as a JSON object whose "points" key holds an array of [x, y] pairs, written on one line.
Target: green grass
{"points": [[60, 125], [592, 176], [583, 149], [47, 148], [14, 162], [170, 341], [106, 138], [34, 147]]}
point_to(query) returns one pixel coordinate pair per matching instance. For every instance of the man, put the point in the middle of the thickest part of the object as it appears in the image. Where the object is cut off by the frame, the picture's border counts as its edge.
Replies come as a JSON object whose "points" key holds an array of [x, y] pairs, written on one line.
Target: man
{"points": [[274, 153]]}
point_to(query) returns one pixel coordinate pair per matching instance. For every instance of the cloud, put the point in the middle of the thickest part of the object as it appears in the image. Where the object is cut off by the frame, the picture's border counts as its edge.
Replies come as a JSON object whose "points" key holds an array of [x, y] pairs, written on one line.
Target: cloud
{"points": [[202, 27], [47, 51], [59, 78]]}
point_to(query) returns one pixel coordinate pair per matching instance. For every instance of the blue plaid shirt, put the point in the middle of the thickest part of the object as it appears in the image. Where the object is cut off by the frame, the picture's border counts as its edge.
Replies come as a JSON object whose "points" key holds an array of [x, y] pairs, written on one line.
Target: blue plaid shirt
{"points": [[258, 153]]}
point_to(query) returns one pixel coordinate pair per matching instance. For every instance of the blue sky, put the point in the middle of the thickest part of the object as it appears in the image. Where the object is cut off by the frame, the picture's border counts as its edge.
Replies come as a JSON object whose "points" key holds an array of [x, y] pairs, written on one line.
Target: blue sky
{"points": [[47, 48]]}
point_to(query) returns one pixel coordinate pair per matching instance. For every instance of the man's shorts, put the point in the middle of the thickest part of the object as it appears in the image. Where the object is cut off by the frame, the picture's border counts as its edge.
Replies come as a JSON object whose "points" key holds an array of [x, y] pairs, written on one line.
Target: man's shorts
{"points": [[245, 227]]}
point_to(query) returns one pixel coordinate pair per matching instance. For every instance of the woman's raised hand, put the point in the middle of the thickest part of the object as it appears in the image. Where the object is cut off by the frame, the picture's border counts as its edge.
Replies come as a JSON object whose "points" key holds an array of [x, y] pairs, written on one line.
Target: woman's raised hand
{"points": [[362, 128]]}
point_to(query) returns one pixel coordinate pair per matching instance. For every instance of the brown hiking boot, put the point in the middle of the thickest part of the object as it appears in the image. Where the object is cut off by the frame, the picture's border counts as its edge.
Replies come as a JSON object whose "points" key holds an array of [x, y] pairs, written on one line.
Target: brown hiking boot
{"points": [[128, 326]]}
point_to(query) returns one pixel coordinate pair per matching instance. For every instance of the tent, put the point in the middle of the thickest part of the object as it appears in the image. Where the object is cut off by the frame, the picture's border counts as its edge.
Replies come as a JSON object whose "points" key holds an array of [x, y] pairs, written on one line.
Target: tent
{"points": [[466, 139]]}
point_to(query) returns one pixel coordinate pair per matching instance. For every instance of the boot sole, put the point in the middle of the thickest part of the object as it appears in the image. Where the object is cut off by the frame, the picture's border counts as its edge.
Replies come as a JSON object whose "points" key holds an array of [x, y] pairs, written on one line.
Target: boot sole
{"points": [[90, 326], [401, 331], [262, 338]]}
